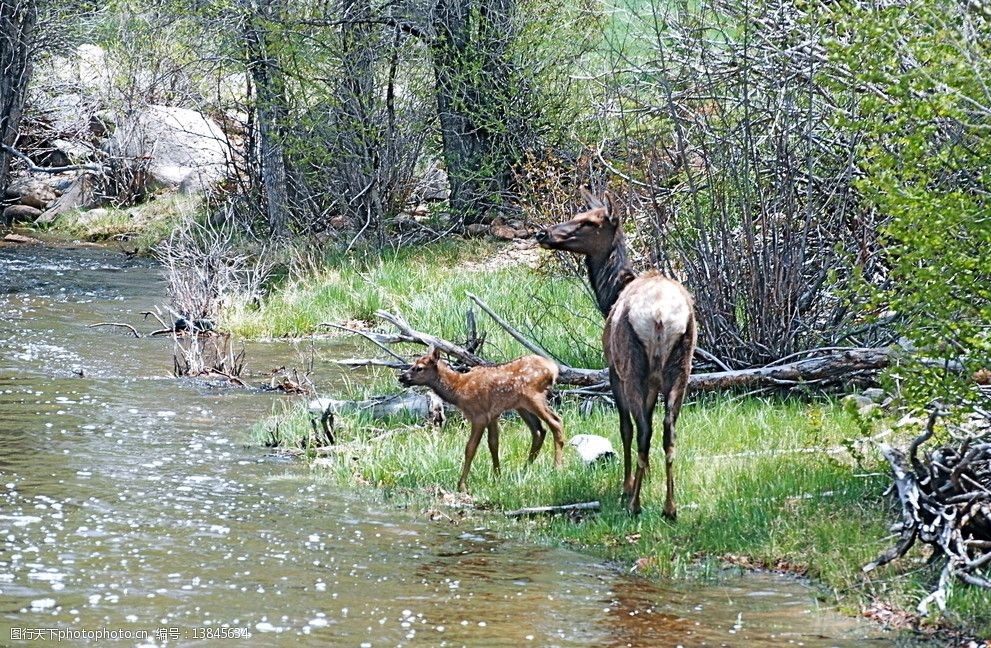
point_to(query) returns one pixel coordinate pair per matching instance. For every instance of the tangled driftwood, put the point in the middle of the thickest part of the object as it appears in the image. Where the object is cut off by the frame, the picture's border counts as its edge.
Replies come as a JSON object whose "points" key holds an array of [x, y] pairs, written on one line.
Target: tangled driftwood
{"points": [[823, 368], [946, 503]]}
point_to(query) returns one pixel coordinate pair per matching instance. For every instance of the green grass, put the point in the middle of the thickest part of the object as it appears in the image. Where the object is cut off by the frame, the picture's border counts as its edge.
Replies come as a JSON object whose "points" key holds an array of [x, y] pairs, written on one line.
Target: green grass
{"points": [[761, 483], [745, 495], [142, 226], [428, 285]]}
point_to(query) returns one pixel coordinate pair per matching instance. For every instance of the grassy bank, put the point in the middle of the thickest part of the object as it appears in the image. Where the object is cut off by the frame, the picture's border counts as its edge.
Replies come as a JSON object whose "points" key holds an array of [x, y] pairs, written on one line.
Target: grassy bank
{"points": [[765, 484], [777, 484], [140, 227]]}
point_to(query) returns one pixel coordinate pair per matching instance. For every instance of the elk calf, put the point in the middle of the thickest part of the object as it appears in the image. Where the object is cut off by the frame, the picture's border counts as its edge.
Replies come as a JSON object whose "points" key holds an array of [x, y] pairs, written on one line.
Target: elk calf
{"points": [[484, 393]]}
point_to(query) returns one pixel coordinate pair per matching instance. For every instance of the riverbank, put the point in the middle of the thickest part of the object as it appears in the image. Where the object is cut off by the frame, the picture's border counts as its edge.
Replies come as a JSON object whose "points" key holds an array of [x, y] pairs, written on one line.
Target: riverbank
{"points": [[785, 485], [137, 229], [763, 484]]}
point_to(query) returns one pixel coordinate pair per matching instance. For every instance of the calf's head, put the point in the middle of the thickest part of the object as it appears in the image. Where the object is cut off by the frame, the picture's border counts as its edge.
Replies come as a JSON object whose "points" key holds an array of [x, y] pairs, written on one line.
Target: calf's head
{"points": [[592, 232], [423, 371]]}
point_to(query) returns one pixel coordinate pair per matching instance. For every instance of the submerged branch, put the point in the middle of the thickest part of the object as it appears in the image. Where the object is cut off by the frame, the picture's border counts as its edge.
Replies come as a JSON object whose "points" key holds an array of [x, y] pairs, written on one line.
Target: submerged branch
{"points": [[581, 507], [127, 326]]}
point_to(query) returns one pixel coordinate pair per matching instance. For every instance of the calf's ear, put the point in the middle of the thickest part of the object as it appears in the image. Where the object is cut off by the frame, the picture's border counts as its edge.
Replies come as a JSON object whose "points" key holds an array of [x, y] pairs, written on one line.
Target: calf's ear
{"points": [[434, 353]]}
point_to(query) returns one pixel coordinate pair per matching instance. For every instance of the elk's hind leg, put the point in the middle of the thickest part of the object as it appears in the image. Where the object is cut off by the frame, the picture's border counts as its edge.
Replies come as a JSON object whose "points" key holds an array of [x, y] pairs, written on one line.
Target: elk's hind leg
{"points": [[643, 417], [625, 434], [676, 384], [537, 433]]}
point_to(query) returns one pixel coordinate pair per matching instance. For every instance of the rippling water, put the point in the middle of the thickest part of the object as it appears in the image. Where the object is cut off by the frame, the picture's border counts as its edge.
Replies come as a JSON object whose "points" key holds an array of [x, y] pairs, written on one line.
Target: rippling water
{"points": [[130, 504]]}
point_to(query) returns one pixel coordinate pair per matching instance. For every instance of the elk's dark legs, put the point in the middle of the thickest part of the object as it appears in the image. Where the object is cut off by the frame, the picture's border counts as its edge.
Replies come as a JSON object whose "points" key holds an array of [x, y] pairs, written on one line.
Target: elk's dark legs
{"points": [[643, 416], [494, 444], [553, 421], [672, 408], [625, 433]]}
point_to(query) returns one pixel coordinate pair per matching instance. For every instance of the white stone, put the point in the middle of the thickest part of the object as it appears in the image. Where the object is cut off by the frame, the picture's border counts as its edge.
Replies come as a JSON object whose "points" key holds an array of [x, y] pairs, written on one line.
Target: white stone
{"points": [[592, 447]]}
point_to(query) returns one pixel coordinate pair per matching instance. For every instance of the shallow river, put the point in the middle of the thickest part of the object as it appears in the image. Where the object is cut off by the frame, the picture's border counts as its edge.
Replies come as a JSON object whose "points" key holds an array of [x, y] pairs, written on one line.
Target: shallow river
{"points": [[131, 505]]}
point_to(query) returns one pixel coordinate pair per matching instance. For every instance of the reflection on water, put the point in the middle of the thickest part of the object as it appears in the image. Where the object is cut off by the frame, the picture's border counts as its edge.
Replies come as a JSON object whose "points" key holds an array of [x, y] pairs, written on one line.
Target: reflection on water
{"points": [[129, 502]]}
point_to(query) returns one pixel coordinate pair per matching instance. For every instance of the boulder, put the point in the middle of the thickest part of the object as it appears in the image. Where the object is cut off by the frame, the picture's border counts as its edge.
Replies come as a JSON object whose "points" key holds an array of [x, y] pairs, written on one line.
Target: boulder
{"points": [[92, 69], [503, 232], [477, 229], [18, 213], [876, 394], [857, 401], [32, 192], [87, 71], [66, 152], [433, 185], [184, 149], [66, 113], [18, 238], [82, 193]]}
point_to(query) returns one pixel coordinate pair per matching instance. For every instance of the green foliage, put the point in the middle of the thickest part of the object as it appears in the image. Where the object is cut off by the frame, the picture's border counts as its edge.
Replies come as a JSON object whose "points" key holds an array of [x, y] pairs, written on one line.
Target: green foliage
{"points": [[925, 164]]}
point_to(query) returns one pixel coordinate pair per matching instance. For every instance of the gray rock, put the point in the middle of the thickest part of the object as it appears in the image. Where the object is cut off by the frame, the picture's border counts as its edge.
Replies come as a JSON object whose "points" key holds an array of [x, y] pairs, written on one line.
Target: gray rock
{"points": [[859, 401], [592, 448], [30, 191], [17, 238], [82, 193], [433, 185], [61, 113], [876, 394], [867, 409], [18, 213], [503, 232], [184, 149], [70, 152]]}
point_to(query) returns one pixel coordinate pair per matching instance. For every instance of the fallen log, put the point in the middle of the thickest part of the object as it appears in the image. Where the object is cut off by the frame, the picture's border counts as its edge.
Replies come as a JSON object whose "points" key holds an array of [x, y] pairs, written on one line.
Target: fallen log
{"points": [[426, 406], [834, 366]]}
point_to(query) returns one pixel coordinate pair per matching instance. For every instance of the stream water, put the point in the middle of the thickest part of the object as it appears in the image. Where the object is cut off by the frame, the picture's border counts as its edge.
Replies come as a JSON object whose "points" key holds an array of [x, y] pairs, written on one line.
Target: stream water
{"points": [[133, 512]]}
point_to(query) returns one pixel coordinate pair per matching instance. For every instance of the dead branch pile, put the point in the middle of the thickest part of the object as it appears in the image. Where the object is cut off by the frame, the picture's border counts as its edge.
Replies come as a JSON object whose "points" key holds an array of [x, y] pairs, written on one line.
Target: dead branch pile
{"points": [[946, 503]]}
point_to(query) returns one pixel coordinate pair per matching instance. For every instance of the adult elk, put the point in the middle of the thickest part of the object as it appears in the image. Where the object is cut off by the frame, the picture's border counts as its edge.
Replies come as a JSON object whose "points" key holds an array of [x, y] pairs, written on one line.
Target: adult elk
{"points": [[649, 337], [484, 393]]}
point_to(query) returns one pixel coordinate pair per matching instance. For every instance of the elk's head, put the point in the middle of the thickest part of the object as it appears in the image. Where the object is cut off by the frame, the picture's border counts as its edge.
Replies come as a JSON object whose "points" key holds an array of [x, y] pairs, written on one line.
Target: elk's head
{"points": [[423, 371], [591, 232]]}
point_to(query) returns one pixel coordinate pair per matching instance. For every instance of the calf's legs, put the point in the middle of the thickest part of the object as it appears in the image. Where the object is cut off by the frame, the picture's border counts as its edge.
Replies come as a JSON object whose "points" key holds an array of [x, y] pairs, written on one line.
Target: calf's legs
{"points": [[477, 427]]}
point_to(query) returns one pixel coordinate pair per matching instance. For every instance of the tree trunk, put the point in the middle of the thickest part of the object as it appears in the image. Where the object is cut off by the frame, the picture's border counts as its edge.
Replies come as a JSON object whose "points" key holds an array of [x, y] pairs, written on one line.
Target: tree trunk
{"points": [[359, 130], [17, 22], [472, 78], [270, 109]]}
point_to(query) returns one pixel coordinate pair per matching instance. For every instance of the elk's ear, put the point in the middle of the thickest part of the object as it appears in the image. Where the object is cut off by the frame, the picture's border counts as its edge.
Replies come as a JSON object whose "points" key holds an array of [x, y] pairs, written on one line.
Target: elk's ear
{"points": [[434, 353], [611, 213], [592, 201]]}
